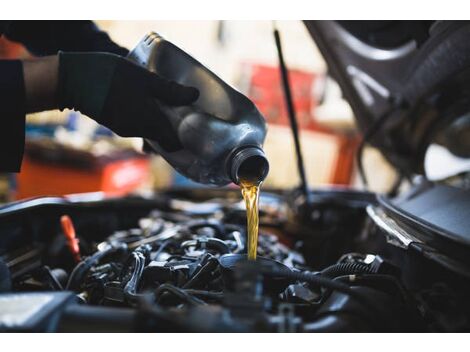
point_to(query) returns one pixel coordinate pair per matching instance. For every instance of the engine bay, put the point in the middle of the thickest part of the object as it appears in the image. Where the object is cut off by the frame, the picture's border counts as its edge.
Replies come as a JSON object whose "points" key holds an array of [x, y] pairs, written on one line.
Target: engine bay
{"points": [[176, 261]]}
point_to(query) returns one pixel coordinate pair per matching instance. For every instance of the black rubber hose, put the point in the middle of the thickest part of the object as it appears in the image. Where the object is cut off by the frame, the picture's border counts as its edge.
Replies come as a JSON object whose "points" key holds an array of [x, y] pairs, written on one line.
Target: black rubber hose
{"points": [[210, 243], [342, 269], [130, 290], [79, 272], [205, 294], [178, 292], [218, 245]]}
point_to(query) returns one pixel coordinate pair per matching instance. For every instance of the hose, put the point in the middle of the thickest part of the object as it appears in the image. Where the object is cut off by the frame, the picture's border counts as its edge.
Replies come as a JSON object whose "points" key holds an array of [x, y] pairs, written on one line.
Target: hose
{"points": [[80, 270], [130, 290], [178, 292], [205, 294], [208, 243], [342, 269]]}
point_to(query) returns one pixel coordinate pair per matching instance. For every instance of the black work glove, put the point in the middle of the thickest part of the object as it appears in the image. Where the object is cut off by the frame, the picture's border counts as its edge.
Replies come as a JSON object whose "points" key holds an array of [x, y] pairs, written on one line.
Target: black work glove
{"points": [[127, 98]]}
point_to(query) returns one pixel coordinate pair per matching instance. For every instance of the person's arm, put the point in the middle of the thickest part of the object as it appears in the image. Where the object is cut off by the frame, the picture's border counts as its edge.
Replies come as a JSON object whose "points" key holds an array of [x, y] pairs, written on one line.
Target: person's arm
{"points": [[40, 81], [12, 112], [127, 98], [27, 86], [43, 38]]}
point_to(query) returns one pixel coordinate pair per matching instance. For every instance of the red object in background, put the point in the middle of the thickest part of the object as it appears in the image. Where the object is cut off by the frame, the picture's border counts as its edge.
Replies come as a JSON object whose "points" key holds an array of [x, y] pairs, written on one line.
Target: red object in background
{"points": [[265, 90], [114, 178], [71, 237]]}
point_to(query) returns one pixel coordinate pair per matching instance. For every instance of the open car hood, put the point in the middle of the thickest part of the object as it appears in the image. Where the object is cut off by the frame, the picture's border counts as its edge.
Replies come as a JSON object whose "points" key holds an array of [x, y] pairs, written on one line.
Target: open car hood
{"points": [[406, 81]]}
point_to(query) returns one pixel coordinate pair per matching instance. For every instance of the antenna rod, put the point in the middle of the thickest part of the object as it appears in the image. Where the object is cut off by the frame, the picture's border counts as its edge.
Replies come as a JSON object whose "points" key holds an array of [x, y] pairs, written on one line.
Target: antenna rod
{"points": [[291, 114]]}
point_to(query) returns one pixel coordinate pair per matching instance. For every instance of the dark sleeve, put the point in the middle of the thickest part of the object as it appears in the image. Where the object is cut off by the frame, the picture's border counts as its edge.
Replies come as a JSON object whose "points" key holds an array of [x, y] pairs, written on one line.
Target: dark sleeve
{"points": [[48, 37], [12, 115]]}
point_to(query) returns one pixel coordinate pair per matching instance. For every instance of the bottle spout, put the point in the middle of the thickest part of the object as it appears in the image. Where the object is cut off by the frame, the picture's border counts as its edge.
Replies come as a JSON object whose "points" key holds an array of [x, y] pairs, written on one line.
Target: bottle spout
{"points": [[249, 164]]}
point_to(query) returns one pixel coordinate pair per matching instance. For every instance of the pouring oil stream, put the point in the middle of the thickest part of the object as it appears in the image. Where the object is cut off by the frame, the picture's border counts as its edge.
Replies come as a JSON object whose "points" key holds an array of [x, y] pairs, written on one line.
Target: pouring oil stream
{"points": [[250, 193]]}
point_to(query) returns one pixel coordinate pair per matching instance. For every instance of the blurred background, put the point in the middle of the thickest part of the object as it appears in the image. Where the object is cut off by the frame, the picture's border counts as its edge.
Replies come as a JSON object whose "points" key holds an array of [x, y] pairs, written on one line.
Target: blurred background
{"points": [[68, 153]]}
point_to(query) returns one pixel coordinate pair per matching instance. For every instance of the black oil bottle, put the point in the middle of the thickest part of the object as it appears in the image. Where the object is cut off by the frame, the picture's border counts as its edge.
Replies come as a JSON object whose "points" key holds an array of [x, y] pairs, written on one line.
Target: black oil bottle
{"points": [[221, 134]]}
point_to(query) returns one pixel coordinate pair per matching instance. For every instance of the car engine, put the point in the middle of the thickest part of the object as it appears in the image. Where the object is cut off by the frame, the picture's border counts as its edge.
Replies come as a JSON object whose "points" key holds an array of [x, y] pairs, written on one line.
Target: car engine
{"points": [[343, 261]]}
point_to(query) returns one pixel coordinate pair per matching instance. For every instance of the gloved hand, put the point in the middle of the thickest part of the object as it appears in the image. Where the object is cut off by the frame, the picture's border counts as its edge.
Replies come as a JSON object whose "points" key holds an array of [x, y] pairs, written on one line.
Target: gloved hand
{"points": [[127, 98]]}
